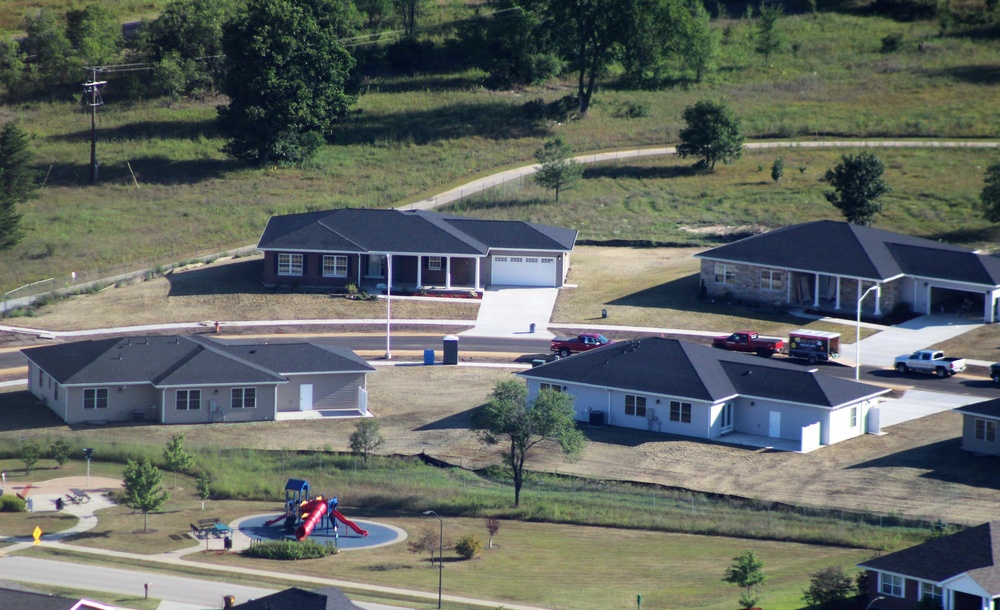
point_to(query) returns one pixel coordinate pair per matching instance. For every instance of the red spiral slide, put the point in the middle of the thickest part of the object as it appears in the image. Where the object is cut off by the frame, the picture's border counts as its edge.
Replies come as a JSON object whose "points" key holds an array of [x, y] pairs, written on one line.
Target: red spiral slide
{"points": [[348, 523], [312, 512]]}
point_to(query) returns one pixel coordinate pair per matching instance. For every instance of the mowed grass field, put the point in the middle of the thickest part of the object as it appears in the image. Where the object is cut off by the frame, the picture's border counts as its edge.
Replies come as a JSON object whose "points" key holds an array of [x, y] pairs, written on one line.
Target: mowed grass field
{"points": [[409, 137]]}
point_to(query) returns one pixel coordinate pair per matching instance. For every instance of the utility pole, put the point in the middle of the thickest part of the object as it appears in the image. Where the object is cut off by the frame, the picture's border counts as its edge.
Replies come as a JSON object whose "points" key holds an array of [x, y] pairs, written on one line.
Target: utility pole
{"points": [[91, 88]]}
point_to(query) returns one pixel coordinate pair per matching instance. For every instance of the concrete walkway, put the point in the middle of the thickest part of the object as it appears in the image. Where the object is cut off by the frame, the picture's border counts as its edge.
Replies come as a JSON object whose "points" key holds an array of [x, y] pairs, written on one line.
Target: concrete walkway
{"points": [[510, 312]]}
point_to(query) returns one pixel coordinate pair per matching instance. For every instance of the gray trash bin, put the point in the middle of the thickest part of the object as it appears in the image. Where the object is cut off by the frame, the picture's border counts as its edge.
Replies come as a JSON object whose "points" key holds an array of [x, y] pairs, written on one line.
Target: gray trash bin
{"points": [[451, 349]]}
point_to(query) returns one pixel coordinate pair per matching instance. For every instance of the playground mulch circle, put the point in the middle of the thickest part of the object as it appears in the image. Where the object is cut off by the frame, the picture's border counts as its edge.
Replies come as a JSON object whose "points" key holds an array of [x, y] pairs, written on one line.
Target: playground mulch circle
{"points": [[345, 539]]}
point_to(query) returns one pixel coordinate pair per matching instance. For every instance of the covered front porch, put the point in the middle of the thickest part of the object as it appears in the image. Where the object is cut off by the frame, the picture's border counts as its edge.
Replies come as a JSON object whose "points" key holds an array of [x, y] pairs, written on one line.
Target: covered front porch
{"points": [[839, 293], [417, 272]]}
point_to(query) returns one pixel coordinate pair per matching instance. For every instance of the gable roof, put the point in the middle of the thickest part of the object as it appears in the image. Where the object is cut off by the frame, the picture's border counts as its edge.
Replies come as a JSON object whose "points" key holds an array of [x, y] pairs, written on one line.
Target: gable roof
{"points": [[840, 248], [407, 232], [330, 598], [179, 361], [974, 551], [654, 365], [987, 408], [23, 600]]}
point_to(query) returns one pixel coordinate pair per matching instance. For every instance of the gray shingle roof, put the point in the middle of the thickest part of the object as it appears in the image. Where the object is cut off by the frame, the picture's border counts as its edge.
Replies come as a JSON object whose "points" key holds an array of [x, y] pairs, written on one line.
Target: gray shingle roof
{"points": [[23, 600], [654, 365], [330, 598], [839, 248], [179, 361], [975, 551], [410, 232], [987, 408]]}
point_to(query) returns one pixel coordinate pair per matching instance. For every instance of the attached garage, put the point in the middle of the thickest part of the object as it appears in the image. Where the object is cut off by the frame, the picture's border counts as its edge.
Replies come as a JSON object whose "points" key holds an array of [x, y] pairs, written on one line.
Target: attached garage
{"points": [[524, 271]]}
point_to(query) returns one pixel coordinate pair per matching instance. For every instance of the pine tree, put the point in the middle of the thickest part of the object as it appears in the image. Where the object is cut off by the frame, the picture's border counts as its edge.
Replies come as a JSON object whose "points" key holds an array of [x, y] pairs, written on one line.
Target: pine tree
{"points": [[18, 182]]}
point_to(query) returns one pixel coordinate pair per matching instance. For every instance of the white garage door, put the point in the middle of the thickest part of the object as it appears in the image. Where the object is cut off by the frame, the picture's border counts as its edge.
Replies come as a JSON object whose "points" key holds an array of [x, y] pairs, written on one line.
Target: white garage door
{"points": [[524, 271]]}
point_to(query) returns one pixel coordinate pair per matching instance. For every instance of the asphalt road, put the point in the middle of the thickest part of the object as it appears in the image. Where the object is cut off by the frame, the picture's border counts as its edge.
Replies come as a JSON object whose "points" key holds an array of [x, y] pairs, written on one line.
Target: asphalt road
{"points": [[527, 349]]}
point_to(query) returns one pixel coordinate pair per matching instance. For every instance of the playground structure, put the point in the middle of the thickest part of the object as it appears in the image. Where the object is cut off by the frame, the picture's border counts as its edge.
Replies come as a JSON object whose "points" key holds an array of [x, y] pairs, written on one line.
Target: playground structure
{"points": [[304, 513]]}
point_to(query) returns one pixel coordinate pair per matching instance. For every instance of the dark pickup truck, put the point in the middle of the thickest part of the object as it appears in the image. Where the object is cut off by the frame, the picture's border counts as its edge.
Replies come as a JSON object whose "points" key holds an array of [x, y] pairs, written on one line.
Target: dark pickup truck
{"points": [[580, 343], [749, 341]]}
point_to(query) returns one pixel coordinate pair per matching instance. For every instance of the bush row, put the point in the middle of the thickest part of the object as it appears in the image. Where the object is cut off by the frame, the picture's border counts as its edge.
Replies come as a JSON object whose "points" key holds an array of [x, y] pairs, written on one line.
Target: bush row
{"points": [[290, 550]]}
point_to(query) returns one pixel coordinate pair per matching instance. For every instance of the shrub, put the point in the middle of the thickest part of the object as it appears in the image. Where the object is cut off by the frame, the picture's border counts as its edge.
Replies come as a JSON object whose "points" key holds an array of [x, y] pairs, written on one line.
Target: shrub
{"points": [[891, 43], [12, 504], [469, 546], [828, 588], [290, 550]]}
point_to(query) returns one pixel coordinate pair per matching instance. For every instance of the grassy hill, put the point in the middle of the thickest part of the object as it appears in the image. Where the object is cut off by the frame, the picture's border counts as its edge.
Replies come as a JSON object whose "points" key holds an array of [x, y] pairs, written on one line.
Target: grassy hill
{"points": [[415, 135]]}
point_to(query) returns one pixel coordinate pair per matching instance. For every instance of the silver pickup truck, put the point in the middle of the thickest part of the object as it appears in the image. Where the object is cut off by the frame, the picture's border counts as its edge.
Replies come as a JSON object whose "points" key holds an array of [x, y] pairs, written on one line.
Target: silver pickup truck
{"points": [[930, 361]]}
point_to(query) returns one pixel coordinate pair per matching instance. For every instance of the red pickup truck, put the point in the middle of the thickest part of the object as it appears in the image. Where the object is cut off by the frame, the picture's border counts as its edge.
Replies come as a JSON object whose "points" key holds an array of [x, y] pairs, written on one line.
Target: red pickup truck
{"points": [[749, 341], [580, 343]]}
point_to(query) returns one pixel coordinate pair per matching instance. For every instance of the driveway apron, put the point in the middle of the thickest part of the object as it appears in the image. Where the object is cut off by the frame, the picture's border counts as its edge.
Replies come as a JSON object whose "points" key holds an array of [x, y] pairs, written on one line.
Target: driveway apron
{"points": [[510, 312], [882, 348]]}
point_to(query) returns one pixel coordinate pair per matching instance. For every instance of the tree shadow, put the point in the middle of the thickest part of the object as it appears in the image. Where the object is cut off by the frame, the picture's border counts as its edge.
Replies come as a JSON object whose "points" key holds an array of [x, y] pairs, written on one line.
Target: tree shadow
{"points": [[147, 170], [472, 203], [977, 74], [422, 82], [456, 421], [944, 461], [145, 130], [617, 172], [22, 411], [492, 120], [240, 277]]}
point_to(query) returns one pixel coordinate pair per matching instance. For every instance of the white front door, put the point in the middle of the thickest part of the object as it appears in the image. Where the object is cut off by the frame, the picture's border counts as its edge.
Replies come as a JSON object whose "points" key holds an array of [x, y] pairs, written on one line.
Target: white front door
{"points": [[727, 417], [774, 424], [306, 397], [376, 265]]}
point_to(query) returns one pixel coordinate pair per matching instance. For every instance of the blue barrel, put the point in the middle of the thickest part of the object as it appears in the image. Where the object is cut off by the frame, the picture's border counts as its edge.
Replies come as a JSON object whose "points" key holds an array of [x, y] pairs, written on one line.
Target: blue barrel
{"points": [[428, 356]]}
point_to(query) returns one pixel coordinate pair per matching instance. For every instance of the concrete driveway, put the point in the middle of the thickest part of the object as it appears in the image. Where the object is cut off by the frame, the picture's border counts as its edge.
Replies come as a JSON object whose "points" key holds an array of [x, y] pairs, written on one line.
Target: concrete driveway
{"points": [[882, 348], [915, 404], [510, 312]]}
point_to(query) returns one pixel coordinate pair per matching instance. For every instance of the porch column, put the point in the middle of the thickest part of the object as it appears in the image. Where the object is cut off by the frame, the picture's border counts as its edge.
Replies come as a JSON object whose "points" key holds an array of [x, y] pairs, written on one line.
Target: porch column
{"points": [[388, 274], [447, 272], [788, 288], [816, 291], [837, 304], [419, 266], [479, 261], [858, 294], [927, 289], [878, 300], [360, 256], [989, 305]]}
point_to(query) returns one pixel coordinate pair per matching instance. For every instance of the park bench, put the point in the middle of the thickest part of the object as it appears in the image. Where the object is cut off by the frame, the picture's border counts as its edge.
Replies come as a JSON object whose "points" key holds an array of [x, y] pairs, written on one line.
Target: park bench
{"points": [[206, 527]]}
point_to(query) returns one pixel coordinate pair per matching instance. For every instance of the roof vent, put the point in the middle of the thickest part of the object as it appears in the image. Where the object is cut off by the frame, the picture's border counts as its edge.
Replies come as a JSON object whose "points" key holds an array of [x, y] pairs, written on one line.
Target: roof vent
{"points": [[253, 351]]}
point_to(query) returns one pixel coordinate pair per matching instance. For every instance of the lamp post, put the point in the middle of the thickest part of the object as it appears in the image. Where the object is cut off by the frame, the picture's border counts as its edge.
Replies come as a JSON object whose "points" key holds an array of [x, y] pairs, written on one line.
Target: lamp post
{"points": [[440, 553], [857, 339], [868, 607]]}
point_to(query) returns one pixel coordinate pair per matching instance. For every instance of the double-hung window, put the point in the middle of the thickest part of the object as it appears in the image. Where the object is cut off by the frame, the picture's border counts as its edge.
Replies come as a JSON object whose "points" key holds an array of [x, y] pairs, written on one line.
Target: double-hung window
{"points": [[890, 584], [244, 398], [434, 263], [635, 405], [289, 264], [335, 266], [986, 430], [725, 274], [680, 411], [772, 279], [550, 386], [188, 400], [931, 591], [95, 398], [854, 417]]}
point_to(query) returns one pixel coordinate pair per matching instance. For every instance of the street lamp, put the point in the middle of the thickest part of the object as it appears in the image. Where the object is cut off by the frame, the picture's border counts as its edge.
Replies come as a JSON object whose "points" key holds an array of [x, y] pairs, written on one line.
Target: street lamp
{"points": [[857, 339], [440, 553], [868, 607]]}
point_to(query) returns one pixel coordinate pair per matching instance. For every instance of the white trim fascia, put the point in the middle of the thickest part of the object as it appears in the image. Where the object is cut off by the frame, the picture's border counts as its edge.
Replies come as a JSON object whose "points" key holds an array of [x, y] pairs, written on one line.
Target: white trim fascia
{"points": [[925, 278], [326, 373], [616, 388], [441, 254], [309, 251], [108, 383], [809, 406], [798, 270], [980, 415], [561, 251], [241, 384]]}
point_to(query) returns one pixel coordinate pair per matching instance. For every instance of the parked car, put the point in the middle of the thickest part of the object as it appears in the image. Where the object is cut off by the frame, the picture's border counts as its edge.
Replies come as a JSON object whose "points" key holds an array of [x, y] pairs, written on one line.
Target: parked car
{"points": [[749, 341], [813, 345], [580, 343], [929, 361], [995, 372]]}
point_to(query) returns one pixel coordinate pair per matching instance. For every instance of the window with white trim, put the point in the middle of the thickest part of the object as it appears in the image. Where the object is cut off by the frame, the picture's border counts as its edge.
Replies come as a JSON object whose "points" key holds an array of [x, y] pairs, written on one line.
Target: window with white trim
{"points": [[188, 400], [517, 259], [434, 263], [531, 260], [931, 591], [244, 398], [725, 274], [289, 264], [890, 584], [854, 417], [500, 259], [550, 386], [680, 411], [986, 430], [95, 398], [547, 261], [335, 265], [635, 405], [772, 279]]}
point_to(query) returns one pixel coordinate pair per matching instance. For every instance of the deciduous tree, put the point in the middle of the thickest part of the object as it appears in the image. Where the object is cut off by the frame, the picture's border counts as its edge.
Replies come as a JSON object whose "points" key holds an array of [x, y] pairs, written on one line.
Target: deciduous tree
{"points": [[143, 492], [176, 457], [990, 197], [60, 451], [96, 34], [366, 438], [858, 187], [53, 66], [426, 541], [286, 78], [11, 62], [492, 527], [18, 182], [746, 572], [508, 419], [769, 38], [712, 133], [701, 47], [828, 588], [29, 455], [558, 169]]}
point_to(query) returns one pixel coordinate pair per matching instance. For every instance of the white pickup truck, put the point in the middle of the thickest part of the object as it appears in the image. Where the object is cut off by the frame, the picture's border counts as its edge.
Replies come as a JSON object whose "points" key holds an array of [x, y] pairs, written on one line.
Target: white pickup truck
{"points": [[930, 361]]}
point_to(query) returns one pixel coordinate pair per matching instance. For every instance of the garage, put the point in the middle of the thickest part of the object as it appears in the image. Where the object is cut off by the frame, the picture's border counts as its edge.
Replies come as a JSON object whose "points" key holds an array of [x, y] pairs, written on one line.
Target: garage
{"points": [[523, 271]]}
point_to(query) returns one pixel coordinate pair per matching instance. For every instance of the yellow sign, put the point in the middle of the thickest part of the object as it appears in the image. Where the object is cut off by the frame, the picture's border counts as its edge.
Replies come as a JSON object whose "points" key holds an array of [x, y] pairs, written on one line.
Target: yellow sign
{"points": [[37, 534]]}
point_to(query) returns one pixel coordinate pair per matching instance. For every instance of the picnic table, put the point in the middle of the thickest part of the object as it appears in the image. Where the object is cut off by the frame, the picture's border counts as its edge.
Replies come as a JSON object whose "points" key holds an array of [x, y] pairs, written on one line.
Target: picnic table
{"points": [[211, 527], [223, 531], [78, 496]]}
